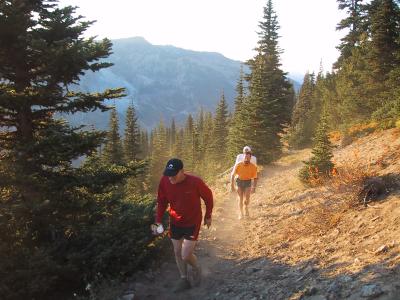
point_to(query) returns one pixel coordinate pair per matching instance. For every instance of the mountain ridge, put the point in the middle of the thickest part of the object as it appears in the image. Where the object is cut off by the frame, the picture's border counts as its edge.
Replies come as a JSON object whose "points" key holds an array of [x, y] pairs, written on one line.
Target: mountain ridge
{"points": [[161, 81]]}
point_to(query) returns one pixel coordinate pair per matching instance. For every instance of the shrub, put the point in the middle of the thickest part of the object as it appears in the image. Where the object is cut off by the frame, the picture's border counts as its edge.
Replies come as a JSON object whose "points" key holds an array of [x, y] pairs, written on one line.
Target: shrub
{"points": [[320, 165], [117, 246]]}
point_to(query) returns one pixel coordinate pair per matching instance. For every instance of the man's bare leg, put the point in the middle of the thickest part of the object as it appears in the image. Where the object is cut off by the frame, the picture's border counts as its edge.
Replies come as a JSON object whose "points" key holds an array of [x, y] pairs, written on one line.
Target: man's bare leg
{"points": [[182, 267], [240, 202], [191, 259], [247, 200], [188, 253]]}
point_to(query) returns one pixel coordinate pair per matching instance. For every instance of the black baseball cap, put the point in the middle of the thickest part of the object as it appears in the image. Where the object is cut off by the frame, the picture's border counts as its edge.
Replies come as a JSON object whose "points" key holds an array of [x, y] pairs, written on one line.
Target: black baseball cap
{"points": [[173, 166]]}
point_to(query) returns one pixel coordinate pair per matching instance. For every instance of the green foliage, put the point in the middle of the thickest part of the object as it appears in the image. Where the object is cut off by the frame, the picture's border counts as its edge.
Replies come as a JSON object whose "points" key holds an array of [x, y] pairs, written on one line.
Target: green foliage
{"points": [[119, 245], [220, 134], [237, 134], [354, 24], [54, 239], [58, 222], [131, 141], [320, 164], [388, 114], [269, 104], [302, 125], [364, 84], [159, 154], [113, 152]]}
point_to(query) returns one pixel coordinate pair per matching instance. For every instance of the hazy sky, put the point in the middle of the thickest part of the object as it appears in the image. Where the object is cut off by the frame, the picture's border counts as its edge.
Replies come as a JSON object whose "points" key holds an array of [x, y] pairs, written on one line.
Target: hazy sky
{"points": [[229, 27]]}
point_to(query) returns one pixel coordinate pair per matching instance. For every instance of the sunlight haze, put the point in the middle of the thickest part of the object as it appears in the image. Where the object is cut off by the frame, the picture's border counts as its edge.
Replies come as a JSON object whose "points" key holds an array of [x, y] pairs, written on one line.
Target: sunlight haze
{"points": [[307, 28]]}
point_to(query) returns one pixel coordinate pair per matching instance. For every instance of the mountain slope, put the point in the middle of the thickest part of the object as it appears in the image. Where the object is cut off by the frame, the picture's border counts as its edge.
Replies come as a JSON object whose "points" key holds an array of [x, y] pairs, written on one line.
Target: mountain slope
{"points": [[162, 81], [299, 243]]}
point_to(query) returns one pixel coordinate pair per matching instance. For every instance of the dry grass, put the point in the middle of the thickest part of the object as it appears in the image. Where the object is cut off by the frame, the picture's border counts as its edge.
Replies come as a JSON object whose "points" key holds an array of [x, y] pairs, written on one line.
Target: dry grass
{"points": [[335, 137], [294, 156], [339, 193], [319, 219], [362, 128]]}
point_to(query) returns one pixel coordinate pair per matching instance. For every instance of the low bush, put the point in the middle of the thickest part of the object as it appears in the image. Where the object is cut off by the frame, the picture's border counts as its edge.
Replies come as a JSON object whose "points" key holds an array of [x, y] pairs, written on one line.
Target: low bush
{"points": [[116, 243]]}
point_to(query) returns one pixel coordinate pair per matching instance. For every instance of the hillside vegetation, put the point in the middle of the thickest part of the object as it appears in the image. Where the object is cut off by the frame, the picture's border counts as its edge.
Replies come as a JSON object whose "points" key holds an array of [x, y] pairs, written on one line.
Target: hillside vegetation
{"points": [[66, 228], [300, 243]]}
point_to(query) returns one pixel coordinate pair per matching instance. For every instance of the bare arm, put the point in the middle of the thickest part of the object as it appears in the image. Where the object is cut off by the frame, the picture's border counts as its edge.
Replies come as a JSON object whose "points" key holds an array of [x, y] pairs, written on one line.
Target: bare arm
{"points": [[207, 196]]}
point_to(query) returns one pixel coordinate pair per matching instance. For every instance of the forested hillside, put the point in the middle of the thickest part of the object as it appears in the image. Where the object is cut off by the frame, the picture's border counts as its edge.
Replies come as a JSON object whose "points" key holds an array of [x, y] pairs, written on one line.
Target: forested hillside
{"points": [[66, 228]]}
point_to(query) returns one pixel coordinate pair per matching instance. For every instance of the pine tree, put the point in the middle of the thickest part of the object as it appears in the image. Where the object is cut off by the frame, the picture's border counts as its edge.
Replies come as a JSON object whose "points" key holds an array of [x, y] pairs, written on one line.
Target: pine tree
{"points": [[302, 125], [200, 131], [237, 134], [178, 150], [270, 93], [159, 153], [365, 77], [384, 19], [113, 147], [196, 153], [132, 149], [144, 144], [355, 26], [320, 164], [188, 153], [207, 145], [47, 203], [172, 137], [220, 132]]}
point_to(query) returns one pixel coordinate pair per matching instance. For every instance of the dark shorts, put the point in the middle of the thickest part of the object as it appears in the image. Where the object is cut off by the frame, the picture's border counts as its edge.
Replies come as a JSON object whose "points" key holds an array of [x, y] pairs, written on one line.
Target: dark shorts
{"points": [[243, 184], [190, 233]]}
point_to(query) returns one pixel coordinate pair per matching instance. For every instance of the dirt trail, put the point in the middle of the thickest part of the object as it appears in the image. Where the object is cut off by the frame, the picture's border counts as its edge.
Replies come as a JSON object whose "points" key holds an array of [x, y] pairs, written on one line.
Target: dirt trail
{"points": [[217, 251], [274, 255]]}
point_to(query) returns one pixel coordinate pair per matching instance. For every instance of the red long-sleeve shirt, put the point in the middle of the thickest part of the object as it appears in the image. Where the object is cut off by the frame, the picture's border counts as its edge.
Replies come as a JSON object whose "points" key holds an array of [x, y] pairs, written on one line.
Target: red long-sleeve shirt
{"points": [[184, 200]]}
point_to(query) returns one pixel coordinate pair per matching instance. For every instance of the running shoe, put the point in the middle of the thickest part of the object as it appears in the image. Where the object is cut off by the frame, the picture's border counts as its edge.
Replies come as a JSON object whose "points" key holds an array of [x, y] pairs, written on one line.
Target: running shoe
{"points": [[196, 275], [182, 285], [247, 213]]}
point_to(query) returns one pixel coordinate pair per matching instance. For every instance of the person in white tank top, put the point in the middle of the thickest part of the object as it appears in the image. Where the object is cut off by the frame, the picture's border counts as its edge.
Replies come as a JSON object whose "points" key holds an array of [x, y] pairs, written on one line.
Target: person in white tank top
{"points": [[240, 157]]}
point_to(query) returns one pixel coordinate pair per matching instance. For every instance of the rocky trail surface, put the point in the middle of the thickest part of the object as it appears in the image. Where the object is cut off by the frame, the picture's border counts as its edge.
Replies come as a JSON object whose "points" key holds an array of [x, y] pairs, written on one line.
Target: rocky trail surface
{"points": [[298, 243]]}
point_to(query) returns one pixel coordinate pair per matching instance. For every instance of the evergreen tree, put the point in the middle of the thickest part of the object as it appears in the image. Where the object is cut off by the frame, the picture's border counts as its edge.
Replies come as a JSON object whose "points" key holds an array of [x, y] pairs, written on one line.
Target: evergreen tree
{"points": [[196, 154], [320, 164], [200, 130], [179, 147], [329, 97], [208, 165], [47, 204], [220, 133], [132, 142], [302, 125], [113, 148], [270, 93], [188, 153], [367, 73], [159, 154], [355, 26], [356, 92], [199, 143], [144, 144], [172, 136], [135, 185], [384, 19], [237, 134], [208, 135]]}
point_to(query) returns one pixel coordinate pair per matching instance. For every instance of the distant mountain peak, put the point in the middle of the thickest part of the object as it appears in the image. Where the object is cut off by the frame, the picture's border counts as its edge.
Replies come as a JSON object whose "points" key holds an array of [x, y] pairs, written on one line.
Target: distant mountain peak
{"points": [[162, 81], [132, 40]]}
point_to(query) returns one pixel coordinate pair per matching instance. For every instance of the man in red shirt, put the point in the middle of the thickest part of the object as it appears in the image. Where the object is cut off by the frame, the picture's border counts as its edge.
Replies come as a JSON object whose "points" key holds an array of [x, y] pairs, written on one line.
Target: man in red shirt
{"points": [[182, 192]]}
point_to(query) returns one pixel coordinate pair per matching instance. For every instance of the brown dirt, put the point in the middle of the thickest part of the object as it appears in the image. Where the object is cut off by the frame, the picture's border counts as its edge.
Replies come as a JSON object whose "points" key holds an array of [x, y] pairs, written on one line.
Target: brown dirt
{"points": [[300, 243]]}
